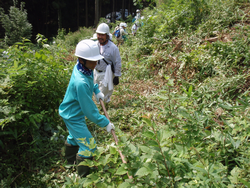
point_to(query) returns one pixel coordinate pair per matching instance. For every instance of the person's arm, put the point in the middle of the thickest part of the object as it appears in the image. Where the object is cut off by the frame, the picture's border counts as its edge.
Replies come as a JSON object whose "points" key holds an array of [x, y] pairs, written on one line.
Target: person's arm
{"points": [[84, 97], [96, 89], [117, 60]]}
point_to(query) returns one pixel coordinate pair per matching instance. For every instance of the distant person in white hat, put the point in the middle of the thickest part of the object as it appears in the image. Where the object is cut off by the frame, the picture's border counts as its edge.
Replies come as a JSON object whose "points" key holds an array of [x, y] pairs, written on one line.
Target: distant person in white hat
{"points": [[108, 69]]}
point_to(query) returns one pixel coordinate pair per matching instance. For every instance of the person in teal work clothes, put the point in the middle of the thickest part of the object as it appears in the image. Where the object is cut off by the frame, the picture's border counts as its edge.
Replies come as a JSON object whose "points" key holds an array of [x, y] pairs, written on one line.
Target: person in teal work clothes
{"points": [[78, 104]]}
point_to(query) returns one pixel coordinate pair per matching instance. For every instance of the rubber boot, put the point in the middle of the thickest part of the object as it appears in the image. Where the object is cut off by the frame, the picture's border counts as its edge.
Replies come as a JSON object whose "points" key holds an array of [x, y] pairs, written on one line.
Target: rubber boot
{"points": [[70, 153], [81, 169]]}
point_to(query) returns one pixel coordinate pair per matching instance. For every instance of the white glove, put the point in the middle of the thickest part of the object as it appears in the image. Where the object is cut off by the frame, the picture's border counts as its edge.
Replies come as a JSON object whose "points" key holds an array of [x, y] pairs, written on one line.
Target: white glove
{"points": [[99, 96], [110, 126]]}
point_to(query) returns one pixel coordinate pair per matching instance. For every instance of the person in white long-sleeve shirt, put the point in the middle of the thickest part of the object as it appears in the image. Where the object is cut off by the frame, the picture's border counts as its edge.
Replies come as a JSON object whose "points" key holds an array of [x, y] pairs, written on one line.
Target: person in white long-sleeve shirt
{"points": [[134, 28], [111, 55], [123, 34]]}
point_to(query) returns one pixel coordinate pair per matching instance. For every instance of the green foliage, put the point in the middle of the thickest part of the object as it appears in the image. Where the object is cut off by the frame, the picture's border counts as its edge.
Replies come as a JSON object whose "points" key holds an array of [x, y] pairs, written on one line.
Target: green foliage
{"points": [[32, 86], [70, 40], [181, 114], [16, 24]]}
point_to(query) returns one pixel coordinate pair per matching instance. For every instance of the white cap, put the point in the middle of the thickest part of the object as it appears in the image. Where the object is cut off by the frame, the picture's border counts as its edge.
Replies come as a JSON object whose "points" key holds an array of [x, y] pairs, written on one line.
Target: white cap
{"points": [[94, 37], [89, 50], [103, 28]]}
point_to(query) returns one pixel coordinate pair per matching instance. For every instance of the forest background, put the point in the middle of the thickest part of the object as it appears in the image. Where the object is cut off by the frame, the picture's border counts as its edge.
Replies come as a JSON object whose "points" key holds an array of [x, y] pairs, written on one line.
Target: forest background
{"points": [[47, 17], [181, 110]]}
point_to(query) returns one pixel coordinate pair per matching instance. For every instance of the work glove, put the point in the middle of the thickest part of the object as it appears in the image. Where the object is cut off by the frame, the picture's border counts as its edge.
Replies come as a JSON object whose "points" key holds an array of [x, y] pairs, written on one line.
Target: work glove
{"points": [[99, 96], [116, 80], [110, 126]]}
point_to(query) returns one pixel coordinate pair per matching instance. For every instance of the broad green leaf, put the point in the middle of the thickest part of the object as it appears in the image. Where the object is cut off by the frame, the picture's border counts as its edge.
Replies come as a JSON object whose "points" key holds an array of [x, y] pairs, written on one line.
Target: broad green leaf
{"points": [[155, 174], [121, 170], [92, 178], [146, 157], [124, 185], [143, 172], [200, 169], [104, 160], [158, 157], [146, 149], [112, 150], [86, 153], [112, 170], [160, 135], [148, 134], [101, 185], [151, 166], [152, 143], [133, 149], [92, 144], [87, 162], [147, 121], [98, 152], [244, 182]]}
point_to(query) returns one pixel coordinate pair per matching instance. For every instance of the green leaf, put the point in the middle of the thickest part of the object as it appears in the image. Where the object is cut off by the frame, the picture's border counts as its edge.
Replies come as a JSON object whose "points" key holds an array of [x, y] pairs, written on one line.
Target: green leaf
{"points": [[160, 135], [154, 174], [87, 162], [121, 170], [124, 185], [244, 182], [147, 121], [132, 148], [112, 150], [143, 172], [152, 143], [146, 149], [184, 113], [227, 107], [148, 134], [92, 178], [92, 144], [103, 160], [151, 166], [98, 152], [200, 169], [101, 185], [86, 153]]}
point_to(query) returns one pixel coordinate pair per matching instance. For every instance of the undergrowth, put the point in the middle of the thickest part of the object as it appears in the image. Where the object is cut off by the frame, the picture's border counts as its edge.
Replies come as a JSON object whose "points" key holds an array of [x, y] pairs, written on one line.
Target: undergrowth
{"points": [[181, 110]]}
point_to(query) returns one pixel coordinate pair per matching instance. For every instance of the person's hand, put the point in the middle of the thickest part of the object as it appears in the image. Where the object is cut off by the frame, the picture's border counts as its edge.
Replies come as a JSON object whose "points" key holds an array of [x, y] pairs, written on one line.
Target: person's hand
{"points": [[116, 80], [110, 126], [99, 96]]}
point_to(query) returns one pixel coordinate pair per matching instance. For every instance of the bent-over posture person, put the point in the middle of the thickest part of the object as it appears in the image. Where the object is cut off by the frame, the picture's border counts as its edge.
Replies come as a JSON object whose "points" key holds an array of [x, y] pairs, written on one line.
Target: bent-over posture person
{"points": [[78, 104]]}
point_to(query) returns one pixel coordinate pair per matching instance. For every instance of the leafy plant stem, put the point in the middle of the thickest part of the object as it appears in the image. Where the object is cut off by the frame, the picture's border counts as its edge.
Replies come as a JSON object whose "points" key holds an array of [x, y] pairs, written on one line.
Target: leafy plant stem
{"points": [[165, 163], [198, 155]]}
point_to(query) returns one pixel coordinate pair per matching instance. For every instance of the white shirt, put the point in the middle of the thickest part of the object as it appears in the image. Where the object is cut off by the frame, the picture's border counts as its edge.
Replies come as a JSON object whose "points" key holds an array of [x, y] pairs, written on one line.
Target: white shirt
{"points": [[122, 32], [111, 54], [134, 29]]}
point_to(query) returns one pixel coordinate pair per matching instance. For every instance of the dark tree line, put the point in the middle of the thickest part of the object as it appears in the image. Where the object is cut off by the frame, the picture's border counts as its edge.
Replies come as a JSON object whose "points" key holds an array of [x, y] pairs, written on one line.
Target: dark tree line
{"points": [[47, 16]]}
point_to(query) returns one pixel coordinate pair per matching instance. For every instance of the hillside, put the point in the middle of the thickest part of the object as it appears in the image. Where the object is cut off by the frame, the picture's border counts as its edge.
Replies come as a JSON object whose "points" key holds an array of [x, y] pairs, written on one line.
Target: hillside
{"points": [[181, 110]]}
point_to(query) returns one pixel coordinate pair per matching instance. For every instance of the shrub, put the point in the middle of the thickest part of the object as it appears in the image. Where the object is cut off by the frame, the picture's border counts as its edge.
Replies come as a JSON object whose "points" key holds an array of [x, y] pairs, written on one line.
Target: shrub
{"points": [[16, 24], [32, 85]]}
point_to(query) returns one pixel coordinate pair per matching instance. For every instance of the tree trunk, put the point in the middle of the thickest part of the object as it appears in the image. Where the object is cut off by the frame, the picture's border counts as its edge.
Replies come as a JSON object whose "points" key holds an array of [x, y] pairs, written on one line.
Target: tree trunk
{"points": [[59, 17], [113, 12], [100, 10], [78, 14], [46, 18], [96, 12], [86, 13], [123, 10], [129, 7]]}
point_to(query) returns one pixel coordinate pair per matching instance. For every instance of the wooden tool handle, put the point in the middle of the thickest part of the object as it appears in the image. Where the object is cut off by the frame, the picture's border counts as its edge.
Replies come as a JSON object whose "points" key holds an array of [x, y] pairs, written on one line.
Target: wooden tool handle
{"points": [[114, 135]]}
